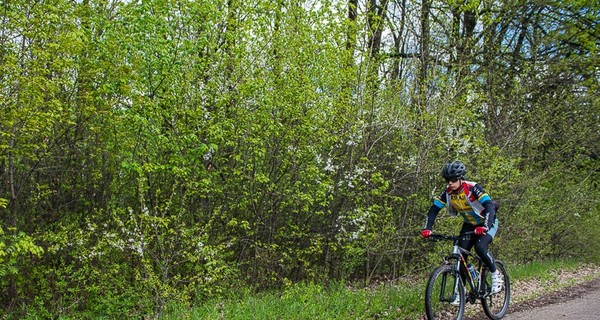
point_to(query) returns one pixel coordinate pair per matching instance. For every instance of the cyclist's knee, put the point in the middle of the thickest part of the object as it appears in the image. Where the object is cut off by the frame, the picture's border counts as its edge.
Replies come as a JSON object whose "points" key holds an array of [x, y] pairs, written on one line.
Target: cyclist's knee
{"points": [[481, 248]]}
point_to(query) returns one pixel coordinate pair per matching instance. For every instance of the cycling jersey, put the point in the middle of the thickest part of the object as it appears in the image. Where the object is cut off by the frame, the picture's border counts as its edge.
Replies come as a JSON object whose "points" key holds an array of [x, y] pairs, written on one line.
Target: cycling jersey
{"points": [[470, 201]]}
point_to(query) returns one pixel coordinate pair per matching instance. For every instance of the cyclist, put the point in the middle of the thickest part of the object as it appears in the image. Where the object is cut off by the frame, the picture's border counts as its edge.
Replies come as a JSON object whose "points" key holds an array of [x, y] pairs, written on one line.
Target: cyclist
{"points": [[477, 209]]}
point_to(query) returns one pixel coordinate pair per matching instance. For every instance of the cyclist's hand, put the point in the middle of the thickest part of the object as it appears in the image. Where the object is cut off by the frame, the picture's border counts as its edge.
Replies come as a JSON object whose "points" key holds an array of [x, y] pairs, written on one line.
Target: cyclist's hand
{"points": [[425, 233], [480, 231]]}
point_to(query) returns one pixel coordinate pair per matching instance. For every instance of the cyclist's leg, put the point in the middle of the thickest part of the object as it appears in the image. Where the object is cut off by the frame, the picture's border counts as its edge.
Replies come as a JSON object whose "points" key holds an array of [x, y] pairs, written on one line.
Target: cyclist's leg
{"points": [[483, 243], [481, 248], [467, 245]]}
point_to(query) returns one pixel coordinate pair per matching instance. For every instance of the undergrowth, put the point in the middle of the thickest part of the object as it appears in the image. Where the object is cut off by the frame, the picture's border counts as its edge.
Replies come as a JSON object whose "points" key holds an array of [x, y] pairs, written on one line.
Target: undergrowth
{"points": [[392, 300]]}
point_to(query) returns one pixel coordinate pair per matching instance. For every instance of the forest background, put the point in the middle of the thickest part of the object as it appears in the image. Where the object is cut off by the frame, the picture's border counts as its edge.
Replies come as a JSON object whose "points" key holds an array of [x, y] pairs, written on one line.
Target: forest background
{"points": [[166, 151]]}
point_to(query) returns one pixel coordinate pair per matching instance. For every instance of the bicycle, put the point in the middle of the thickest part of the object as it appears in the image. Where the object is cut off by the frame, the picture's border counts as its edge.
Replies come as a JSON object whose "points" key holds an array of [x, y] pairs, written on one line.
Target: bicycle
{"points": [[440, 299]]}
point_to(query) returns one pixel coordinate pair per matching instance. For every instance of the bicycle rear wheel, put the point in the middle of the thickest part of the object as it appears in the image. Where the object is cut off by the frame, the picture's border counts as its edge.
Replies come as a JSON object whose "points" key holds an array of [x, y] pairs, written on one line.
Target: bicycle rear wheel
{"points": [[495, 305], [443, 287]]}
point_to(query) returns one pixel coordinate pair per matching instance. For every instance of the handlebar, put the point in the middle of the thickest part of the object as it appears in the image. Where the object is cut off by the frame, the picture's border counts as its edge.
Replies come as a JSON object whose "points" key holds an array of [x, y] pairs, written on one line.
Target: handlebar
{"points": [[438, 237]]}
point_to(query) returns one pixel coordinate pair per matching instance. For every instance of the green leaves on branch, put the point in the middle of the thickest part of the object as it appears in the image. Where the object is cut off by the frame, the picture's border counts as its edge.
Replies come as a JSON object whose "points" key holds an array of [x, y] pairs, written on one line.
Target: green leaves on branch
{"points": [[15, 246]]}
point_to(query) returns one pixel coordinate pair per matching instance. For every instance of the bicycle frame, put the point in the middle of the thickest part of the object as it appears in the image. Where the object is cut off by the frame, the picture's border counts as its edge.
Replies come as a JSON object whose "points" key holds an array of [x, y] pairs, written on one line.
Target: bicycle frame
{"points": [[474, 284], [459, 263]]}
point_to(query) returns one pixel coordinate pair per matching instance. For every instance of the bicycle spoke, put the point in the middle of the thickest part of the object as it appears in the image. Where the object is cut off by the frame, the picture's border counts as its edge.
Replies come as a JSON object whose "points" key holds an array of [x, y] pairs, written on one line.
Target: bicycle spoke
{"points": [[441, 295]]}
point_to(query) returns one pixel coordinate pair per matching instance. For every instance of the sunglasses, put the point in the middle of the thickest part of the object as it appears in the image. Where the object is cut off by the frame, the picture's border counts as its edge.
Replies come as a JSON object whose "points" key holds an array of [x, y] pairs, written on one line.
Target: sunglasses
{"points": [[453, 180]]}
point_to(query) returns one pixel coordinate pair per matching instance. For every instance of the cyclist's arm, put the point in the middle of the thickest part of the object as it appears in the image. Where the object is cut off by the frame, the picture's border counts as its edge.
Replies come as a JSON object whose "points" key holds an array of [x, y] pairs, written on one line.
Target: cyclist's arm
{"points": [[490, 209], [431, 215], [490, 214], [435, 208]]}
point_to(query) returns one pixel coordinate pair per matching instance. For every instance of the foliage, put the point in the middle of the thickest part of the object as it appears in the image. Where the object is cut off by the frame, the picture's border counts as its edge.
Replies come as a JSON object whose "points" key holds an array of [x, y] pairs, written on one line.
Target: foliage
{"points": [[160, 153], [15, 246]]}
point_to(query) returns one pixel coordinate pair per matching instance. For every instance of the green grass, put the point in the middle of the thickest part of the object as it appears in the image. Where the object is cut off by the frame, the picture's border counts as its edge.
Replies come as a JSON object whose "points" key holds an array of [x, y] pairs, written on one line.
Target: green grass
{"points": [[310, 301], [401, 300], [537, 269]]}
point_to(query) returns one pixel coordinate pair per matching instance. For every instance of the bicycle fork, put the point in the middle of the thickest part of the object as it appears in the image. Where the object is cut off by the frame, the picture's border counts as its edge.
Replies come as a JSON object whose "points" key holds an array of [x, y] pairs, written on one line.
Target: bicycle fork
{"points": [[459, 259], [454, 260], [443, 293]]}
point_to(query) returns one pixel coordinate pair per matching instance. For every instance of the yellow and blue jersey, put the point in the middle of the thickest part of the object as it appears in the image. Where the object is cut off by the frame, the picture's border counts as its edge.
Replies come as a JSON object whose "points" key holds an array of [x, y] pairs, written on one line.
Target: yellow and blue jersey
{"points": [[471, 201]]}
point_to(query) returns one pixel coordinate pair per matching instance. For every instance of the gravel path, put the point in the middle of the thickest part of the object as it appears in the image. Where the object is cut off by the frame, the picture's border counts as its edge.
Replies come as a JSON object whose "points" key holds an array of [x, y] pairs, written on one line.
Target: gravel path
{"points": [[569, 295], [583, 307]]}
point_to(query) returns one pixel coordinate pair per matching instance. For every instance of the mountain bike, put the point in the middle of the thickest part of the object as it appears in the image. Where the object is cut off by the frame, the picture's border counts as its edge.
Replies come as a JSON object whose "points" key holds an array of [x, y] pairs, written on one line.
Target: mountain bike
{"points": [[446, 297]]}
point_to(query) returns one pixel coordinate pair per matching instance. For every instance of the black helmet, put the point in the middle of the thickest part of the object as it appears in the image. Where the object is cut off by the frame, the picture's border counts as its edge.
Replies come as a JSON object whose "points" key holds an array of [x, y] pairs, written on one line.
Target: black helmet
{"points": [[454, 170]]}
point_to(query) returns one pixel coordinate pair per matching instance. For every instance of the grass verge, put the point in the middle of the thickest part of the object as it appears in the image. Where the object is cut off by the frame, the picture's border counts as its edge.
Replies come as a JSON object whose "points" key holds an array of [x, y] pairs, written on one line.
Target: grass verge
{"points": [[398, 300]]}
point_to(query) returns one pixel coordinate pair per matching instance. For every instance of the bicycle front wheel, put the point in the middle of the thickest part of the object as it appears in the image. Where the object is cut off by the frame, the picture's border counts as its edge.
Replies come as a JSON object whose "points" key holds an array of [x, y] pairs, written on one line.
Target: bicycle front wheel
{"points": [[495, 305], [445, 295]]}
